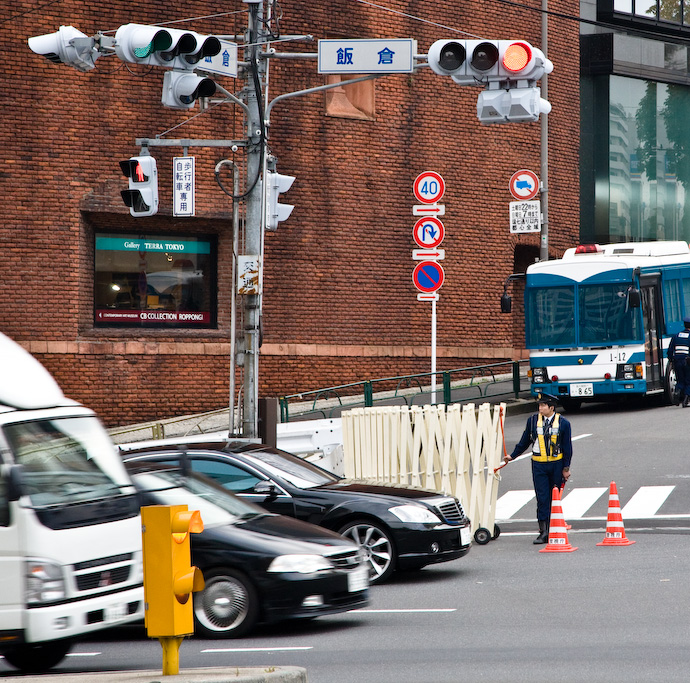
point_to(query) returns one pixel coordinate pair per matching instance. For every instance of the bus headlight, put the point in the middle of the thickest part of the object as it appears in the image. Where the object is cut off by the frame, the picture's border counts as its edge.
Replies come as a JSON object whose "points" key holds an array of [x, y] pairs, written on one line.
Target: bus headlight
{"points": [[629, 371], [44, 582], [539, 375]]}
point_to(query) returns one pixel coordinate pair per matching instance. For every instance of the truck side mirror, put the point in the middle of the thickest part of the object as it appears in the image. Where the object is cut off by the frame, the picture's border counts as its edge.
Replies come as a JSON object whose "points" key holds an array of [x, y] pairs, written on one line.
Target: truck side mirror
{"points": [[506, 303], [15, 482]]}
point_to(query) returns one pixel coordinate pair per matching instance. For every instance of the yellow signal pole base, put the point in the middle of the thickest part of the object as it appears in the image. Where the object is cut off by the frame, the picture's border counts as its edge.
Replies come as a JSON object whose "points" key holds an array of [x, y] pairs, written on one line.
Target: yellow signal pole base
{"points": [[171, 654]]}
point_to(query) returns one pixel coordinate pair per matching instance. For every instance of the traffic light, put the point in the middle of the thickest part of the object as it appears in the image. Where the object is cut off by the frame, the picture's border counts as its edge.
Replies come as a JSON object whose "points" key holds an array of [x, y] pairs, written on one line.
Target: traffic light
{"points": [[142, 195], [66, 46], [181, 89], [169, 48], [169, 577], [478, 62], [514, 105], [275, 211]]}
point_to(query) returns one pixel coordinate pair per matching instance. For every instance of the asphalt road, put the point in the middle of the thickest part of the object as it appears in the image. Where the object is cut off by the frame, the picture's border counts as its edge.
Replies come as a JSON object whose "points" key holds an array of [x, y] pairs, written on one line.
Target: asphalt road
{"points": [[505, 612]]}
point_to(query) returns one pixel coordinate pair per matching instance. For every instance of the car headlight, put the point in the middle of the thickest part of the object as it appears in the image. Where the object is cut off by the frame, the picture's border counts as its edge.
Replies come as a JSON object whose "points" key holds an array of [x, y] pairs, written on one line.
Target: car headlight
{"points": [[44, 582], [300, 564], [415, 514]]}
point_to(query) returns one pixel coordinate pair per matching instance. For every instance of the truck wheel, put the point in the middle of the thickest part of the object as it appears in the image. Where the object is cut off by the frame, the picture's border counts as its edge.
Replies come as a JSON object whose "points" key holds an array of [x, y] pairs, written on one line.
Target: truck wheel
{"points": [[36, 658]]}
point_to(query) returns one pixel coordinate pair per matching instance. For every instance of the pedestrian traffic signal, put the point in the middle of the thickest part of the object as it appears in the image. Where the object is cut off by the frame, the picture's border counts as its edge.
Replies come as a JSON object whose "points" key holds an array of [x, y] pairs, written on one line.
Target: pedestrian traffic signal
{"points": [[478, 62], [66, 46], [275, 211], [169, 48], [169, 577], [181, 89], [142, 195]]}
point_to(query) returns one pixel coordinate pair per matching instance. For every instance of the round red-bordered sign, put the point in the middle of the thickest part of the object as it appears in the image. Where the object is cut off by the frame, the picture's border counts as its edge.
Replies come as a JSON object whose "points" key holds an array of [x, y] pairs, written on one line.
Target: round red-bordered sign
{"points": [[524, 185], [428, 276], [428, 232], [429, 187]]}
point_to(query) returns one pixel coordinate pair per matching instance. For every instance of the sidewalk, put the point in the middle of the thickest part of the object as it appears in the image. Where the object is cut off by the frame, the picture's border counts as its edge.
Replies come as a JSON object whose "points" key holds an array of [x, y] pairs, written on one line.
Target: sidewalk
{"points": [[268, 674]]}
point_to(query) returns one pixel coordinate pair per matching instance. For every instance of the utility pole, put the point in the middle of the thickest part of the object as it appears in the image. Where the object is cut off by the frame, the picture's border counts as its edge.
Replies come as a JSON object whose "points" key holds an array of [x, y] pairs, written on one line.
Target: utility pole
{"points": [[544, 171], [255, 78]]}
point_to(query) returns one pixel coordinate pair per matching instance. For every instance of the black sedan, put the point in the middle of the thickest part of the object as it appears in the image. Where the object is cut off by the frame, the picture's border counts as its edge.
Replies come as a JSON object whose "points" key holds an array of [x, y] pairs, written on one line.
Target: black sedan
{"points": [[397, 526], [258, 566]]}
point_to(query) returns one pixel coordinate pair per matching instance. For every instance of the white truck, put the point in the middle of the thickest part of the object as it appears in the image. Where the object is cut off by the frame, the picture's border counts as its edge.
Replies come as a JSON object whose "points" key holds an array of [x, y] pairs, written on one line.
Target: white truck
{"points": [[70, 531]]}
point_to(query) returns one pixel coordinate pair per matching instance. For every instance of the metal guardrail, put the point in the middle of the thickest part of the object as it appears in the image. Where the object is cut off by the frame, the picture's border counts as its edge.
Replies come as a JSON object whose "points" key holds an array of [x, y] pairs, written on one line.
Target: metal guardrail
{"points": [[457, 386]]}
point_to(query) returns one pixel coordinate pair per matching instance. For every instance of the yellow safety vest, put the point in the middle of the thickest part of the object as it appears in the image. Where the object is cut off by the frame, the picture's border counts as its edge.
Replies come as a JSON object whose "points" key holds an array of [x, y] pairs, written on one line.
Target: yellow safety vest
{"points": [[542, 456]]}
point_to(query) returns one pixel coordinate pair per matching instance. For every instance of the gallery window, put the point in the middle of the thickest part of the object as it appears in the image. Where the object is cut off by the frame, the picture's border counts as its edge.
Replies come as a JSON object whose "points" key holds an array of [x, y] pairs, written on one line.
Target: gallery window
{"points": [[155, 280]]}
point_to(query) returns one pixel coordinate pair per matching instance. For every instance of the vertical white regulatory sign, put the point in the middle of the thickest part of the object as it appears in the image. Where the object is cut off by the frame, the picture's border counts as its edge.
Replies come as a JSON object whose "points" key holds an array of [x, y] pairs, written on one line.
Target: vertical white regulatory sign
{"points": [[183, 186]]}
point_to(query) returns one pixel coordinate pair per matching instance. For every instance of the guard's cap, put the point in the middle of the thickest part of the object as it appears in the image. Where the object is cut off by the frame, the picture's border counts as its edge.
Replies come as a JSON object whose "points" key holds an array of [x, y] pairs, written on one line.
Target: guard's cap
{"points": [[548, 399], [686, 319]]}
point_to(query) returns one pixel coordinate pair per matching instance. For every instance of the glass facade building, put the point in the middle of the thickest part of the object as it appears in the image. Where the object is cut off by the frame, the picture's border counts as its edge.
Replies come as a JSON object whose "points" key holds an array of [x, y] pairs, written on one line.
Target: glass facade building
{"points": [[635, 156]]}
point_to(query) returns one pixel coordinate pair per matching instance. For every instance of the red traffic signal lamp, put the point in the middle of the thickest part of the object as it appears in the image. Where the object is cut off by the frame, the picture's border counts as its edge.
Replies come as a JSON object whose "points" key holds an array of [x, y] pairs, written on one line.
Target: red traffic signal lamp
{"points": [[169, 577], [142, 195], [478, 62]]}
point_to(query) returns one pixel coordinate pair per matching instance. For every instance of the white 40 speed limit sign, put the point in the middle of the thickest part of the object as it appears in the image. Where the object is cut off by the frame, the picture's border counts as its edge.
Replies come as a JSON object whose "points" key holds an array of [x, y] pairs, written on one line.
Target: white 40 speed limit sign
{"points": [[429, 187]]}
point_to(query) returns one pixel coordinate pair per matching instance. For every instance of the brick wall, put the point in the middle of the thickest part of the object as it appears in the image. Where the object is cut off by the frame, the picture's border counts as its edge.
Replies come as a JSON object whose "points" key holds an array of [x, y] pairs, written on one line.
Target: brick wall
{"points": [[339, 302]]}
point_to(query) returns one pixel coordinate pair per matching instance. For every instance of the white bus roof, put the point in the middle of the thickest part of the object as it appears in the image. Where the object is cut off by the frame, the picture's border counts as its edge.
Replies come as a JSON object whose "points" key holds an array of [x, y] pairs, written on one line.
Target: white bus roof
{"points": [[579, 265]]}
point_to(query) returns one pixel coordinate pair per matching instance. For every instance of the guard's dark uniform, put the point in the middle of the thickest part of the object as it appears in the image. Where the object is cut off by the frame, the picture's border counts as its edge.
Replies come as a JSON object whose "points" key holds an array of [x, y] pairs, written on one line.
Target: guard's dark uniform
{"points": [[679, 353], [552, 451]]}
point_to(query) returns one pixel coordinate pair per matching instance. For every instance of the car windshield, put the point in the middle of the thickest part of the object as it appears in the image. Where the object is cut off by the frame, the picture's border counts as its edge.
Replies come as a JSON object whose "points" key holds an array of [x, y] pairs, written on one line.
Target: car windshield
{"points": [[66, 461], [170, 487], [294, 470]]}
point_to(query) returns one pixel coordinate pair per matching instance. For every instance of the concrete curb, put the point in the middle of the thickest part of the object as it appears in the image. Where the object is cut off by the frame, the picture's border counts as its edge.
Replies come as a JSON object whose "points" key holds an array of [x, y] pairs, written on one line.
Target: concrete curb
{"points": [[266, 674]]}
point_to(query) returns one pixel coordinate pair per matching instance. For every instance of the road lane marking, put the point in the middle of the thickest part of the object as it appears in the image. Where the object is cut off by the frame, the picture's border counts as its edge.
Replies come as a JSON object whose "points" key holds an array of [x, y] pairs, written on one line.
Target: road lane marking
{"points": [[646, 501], [405, 611], [256, 649], [84, 654]]}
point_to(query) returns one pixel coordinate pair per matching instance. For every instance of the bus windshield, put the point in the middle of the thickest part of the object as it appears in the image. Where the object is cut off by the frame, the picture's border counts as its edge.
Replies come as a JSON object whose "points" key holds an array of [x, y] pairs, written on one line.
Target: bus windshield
{"points": [[581, 315]]}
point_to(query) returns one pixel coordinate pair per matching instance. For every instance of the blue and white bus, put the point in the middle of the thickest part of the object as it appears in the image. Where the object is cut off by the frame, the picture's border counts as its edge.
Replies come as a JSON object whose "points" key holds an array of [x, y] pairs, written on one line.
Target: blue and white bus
{"points": [[599, 320]]}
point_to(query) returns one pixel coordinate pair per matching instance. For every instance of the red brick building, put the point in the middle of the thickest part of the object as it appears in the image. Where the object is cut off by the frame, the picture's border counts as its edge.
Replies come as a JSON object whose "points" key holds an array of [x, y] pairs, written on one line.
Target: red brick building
{"points": [[339, 304]]}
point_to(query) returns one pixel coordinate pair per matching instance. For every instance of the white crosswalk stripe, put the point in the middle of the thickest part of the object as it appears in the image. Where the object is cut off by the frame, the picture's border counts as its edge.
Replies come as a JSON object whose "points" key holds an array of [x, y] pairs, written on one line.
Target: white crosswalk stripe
{"points": [[645, 503]]}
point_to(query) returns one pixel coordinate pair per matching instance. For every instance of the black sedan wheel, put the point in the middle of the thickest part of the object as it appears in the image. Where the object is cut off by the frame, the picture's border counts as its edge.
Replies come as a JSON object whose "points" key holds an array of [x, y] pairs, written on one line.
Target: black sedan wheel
{"points": [[376, 544], [228, 607]]}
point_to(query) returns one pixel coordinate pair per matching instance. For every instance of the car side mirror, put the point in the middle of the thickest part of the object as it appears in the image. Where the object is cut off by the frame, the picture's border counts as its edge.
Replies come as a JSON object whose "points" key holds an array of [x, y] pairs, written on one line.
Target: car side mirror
{"points": [[265, 488]]}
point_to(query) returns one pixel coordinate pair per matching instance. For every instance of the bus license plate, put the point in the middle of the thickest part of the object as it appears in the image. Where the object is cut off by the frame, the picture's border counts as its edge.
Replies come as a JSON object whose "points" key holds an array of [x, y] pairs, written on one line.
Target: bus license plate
{"points": [[582, 389]]}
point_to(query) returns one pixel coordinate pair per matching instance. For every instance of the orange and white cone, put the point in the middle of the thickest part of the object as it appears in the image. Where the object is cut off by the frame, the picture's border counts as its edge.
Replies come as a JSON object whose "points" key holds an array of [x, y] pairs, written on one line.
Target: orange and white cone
{"points": [[615, 531], [558, 534]]}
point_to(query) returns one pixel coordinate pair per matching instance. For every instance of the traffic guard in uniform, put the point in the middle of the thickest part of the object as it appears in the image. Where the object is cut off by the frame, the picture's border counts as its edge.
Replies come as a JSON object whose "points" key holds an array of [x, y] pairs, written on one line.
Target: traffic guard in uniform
{"points": [[679, 354], [552, 449]]}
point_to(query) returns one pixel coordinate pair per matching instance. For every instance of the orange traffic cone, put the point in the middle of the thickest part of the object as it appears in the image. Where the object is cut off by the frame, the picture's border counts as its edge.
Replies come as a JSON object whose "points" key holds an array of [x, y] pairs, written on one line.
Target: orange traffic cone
{"points": [[558, 534], [615, 531]]}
